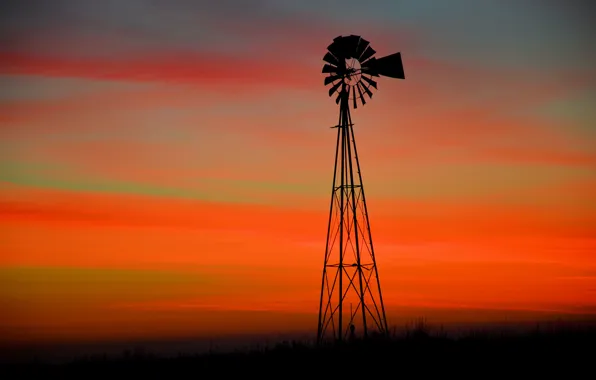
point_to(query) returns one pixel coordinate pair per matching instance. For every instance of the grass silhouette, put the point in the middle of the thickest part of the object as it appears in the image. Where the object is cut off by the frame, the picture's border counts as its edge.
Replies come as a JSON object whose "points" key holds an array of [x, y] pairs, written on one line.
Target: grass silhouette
{"points": [[546, 350]]}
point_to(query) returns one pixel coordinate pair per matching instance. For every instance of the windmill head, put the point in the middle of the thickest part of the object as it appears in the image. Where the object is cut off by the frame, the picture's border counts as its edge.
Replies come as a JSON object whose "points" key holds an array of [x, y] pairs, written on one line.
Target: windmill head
{"points": [[351, 66]]}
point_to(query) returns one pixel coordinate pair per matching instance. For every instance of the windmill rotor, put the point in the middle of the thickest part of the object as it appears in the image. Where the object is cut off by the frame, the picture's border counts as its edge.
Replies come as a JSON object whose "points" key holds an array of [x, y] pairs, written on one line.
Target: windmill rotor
{"points": [[351, 66]]}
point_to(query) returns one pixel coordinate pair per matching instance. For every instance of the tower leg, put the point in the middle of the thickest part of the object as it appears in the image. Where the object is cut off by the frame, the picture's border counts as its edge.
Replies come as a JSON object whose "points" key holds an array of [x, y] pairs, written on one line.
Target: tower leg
{"points": [[372, 251], [323, 281], [341, 234]]}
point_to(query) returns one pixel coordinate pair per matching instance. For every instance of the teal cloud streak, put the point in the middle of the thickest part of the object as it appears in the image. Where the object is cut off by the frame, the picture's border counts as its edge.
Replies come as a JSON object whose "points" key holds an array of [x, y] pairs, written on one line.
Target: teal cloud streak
{"points": [[52, 176]]}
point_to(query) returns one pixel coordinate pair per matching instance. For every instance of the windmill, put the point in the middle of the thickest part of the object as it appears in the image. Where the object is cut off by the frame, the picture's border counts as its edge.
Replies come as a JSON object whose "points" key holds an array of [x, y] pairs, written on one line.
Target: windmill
{"points": [[350, 275]]}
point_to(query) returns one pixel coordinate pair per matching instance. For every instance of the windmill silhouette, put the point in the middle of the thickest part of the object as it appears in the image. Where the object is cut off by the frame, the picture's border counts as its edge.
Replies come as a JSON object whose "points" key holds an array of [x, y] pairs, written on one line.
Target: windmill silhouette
{"points": [[350, 274]]}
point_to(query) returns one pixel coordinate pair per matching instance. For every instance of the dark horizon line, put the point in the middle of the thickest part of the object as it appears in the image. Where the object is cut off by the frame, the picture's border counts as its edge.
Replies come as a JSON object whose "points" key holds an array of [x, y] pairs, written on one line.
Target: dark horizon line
{"points": [[65, 351]]}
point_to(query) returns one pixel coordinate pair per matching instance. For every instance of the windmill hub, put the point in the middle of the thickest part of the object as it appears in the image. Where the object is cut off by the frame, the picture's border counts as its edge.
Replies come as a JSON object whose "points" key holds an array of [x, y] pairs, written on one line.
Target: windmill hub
{"points": [[350, 275], [353, 75]]}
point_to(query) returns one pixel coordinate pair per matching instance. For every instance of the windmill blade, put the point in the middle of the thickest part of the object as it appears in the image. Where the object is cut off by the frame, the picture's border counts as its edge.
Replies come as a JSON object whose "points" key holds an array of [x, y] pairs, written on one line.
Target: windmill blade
{"points": [[369, 71], [354, 96], [331, 78], [390, 66], [362, 45], [352, 39], [351, 45], [370, 81], [331, 59], [360, 93], [338, 98], [339, 48], [342, 66], [336, 50], [366, 90], [369, 52], [334, 88], [329, 69], [370, 67]]}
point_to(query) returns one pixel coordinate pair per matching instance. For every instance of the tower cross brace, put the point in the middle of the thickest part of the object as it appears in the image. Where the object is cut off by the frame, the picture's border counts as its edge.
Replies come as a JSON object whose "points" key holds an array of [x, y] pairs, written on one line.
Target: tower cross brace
{"points": [[350, 274]]}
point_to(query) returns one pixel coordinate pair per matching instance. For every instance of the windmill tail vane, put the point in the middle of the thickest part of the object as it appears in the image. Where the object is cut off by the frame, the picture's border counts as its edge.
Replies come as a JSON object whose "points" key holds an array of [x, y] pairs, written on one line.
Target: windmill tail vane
{"points": [[350, 273]]}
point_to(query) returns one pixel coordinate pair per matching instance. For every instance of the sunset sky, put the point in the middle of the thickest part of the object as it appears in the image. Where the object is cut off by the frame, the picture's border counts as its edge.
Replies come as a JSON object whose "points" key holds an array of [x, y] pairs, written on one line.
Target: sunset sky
{"points": [[166, 166]]}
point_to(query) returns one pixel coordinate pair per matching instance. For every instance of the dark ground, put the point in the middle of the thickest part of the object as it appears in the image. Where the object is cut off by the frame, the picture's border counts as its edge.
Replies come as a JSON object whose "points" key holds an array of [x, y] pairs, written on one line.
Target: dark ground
{"points": [[564, 353]]}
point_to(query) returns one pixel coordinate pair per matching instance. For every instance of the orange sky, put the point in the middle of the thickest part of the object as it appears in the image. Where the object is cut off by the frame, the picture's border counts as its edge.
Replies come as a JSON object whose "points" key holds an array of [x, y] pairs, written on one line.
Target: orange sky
{"points": [[83, 263], [172, 178]]}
